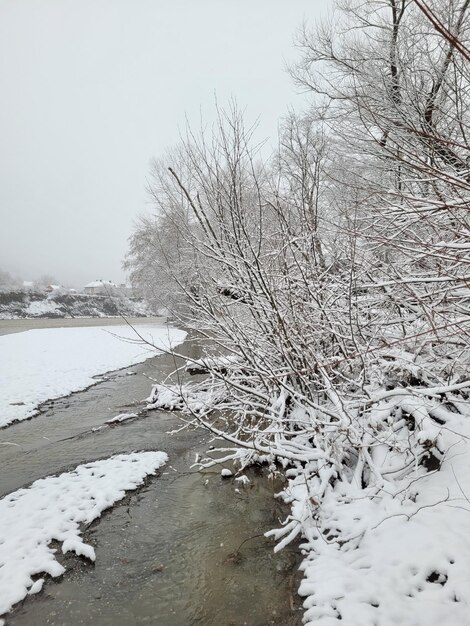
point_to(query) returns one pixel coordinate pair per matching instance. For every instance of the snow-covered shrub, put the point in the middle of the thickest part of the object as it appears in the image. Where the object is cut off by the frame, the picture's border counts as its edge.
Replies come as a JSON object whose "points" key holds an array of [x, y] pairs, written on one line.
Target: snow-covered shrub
{"points": [[335, 276]]}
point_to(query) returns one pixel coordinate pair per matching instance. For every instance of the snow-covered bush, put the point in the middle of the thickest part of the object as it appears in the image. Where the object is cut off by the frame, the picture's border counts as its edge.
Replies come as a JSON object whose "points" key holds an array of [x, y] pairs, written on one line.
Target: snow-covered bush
{"points": [[335, 277]]}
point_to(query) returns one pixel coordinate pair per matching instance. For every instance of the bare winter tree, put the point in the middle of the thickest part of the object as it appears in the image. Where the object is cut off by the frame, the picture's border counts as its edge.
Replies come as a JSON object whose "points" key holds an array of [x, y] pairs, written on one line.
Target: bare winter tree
{"points": [[333, 278], [159, 259], [7, 281], [45, 280]]}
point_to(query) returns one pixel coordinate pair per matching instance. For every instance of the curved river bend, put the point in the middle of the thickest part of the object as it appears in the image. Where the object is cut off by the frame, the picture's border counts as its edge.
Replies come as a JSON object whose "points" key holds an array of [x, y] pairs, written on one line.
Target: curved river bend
{"points": [[168, 553]]}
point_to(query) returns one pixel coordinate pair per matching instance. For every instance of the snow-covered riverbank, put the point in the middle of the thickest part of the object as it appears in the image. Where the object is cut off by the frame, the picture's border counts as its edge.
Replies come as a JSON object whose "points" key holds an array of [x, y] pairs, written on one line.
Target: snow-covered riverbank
{"points": [[40, 365], [178, 532], [21, 304], [393, 551], [397, 552], [53, 509]]}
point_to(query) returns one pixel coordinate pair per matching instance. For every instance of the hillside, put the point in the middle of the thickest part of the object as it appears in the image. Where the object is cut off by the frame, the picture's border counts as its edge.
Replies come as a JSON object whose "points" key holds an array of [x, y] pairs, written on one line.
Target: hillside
{"points": [[31, 304]]}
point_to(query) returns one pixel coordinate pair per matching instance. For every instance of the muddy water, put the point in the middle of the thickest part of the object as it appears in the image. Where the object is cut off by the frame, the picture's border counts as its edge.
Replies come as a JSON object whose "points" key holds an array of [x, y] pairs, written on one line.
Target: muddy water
{"points": [[18, 326], [167, 554]]}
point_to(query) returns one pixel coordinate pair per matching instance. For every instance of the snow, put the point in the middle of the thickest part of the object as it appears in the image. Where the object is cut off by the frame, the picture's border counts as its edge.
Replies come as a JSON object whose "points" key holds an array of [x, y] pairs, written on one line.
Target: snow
{"points": [[100, 283], [379, 497], [39, 365], [52, 509], [243, 480], [226, 473], [36, 587], [18, 304], [187, 398], [395, 553], [41, 307], [122, 417]]}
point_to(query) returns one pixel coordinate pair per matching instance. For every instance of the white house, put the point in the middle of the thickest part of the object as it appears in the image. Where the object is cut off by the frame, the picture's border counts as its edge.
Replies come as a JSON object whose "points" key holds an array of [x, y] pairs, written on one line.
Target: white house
{"points": [[56, 288], [100, 288]]}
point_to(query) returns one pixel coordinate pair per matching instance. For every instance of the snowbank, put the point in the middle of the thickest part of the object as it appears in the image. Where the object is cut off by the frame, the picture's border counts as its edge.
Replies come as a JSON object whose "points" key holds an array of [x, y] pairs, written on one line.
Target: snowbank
{"points": [[52, 509], [39, 365], [42, 308], [398, 553]]}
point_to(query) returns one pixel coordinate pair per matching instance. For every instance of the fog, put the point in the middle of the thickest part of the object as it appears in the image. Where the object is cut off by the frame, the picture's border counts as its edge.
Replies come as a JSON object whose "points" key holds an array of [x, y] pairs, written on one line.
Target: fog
{"points": [[93, 89]]}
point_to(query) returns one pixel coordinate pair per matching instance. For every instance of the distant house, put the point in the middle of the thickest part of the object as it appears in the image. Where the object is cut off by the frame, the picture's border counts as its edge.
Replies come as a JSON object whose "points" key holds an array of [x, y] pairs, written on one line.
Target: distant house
{"points": [[100, 288], [51, 288], [72, 291], [28, 285]]}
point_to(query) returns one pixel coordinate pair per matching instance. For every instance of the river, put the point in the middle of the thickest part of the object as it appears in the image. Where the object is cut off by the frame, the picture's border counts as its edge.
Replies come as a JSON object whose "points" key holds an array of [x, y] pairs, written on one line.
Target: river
{"points": [[168, 554]]}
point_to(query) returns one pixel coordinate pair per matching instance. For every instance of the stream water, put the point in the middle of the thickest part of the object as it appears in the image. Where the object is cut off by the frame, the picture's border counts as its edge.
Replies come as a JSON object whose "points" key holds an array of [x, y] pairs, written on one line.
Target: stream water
{"points": [[168, 554]]}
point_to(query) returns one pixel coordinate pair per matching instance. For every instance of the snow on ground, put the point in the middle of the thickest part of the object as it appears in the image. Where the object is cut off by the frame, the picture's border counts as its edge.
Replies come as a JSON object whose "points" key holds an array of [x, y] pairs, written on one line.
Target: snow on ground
{"points": [[52, 509], [43, 364], [41, 307], [397, 553]]}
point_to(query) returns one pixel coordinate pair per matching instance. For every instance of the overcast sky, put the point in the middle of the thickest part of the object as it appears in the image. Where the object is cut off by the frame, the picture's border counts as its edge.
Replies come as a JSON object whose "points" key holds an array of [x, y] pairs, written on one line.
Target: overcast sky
{"points": [[91, 90]]}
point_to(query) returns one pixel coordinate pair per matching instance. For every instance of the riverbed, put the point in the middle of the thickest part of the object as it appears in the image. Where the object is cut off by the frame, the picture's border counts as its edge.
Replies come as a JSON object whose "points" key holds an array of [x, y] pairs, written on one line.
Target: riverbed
{"points": [[169, 553]]}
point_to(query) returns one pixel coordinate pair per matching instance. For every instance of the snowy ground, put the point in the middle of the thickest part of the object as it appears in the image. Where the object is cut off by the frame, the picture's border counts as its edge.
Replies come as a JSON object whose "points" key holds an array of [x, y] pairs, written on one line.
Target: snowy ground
{"points": [[53, 509], [39, 365], [396, 553]]}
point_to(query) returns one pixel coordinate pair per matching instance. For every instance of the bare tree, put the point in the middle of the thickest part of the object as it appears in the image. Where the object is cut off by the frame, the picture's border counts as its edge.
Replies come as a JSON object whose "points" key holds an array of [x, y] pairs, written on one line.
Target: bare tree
{"points": [[333, 278], [7, 281]]}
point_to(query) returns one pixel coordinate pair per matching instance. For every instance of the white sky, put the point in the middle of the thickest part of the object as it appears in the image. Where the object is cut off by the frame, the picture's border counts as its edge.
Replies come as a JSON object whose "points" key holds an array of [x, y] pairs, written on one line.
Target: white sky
{"points": [[91, 90]]}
